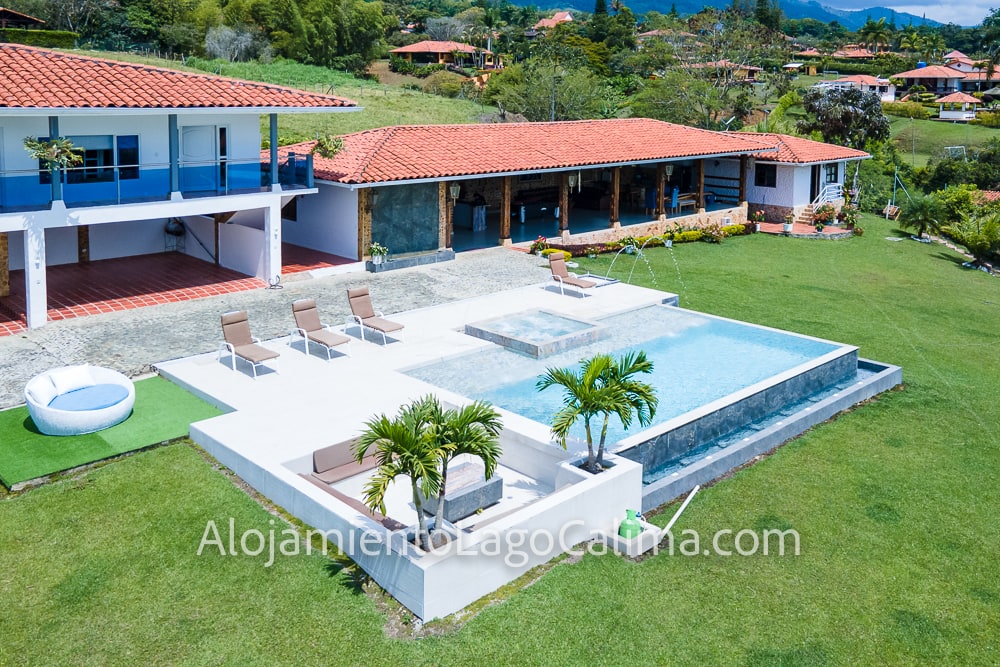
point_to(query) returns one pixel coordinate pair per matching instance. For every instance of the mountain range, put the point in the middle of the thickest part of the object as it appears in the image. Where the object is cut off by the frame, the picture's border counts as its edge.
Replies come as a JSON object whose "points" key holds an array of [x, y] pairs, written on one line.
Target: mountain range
{"points": [[793, 9]]}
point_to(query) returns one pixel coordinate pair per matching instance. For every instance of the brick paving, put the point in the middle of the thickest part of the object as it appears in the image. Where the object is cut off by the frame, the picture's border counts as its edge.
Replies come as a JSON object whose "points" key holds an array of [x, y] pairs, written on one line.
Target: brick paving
{"points": [[132, 340]]}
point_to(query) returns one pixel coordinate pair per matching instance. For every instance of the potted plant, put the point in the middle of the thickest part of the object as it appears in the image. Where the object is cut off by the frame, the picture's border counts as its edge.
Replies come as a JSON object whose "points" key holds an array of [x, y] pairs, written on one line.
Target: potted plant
{"points": [[824, 215], [848, 216], [378, 252], [819, 227], [591, 252], [604, 386], [630, 245], [789, 221], [756, 218], [539, 244]]}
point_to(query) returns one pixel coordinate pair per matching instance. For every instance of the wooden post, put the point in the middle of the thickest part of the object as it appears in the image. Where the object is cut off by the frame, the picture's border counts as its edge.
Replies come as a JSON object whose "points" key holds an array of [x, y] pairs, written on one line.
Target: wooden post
{"points": [[743, 178], [701, 184], [83, 244], [4, 265], [505, 210], [564, 203], [443, 235], [616, 184], [661, 189], [364, 222]]}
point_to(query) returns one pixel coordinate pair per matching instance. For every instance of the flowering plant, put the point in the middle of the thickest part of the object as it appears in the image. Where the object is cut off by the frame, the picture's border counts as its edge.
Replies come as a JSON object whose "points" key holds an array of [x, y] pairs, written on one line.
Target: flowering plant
{"points": [[824, 214], [758, 216], [541, 243], [789, 218], [376, 249]]}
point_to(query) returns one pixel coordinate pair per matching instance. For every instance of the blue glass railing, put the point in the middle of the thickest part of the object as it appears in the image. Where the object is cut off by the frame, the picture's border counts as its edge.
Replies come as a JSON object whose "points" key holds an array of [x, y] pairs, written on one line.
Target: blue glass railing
{"points": [[31, 190]]}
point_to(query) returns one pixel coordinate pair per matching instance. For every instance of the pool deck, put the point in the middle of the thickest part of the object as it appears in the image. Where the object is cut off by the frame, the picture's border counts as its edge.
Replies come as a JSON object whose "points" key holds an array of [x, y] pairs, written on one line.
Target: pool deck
{"points": [[309, 402]]}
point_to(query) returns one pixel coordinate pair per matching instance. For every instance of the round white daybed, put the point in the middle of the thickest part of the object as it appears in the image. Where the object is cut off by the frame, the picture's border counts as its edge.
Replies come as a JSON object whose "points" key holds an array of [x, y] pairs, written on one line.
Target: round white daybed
{"points": [[78, 399]]}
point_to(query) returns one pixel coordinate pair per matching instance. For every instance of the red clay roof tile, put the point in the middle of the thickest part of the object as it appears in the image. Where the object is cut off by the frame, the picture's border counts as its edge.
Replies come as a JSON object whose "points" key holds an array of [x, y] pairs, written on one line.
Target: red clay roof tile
{"points": [[796, 150], [435, 151], [33, 77]]}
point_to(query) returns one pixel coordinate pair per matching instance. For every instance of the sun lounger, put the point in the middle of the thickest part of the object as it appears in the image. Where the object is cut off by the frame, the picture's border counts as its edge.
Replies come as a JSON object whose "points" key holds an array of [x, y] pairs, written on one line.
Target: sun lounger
{"points": [[366, 317], [239, 342], [565, 279], [309, 327]]}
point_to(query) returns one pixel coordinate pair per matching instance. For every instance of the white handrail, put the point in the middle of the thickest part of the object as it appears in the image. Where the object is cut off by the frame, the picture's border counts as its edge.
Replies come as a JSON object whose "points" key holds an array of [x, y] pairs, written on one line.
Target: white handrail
{"points": [[829, 193]]}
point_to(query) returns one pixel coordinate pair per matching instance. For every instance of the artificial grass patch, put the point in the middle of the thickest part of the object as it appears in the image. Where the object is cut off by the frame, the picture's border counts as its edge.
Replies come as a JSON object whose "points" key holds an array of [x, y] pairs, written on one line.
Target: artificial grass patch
{"points": [[162, 411]]}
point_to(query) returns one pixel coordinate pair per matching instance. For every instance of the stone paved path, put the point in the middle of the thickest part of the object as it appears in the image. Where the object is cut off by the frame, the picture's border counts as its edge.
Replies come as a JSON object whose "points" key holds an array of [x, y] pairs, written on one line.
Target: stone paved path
{"points": [[131, 341]]}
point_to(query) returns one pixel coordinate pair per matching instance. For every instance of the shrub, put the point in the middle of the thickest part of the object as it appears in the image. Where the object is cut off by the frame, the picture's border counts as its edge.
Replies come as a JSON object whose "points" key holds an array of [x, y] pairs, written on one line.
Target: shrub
{"points": [[734, 230], [445, 84], [712, 232], [906, 110], [50, 39], [987, 119], [403, 66], [824, 215], [554, 251], [687, 236]]}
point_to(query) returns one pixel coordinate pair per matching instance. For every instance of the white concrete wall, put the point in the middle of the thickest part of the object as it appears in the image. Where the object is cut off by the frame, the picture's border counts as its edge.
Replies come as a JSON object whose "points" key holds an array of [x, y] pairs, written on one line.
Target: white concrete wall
{"points": [[788, 183], [327, 221], [241, 246], [124, 239]]}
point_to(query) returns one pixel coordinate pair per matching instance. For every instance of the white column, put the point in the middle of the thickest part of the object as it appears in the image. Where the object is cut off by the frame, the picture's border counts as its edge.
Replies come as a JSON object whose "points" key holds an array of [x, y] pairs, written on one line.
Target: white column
{"points": [[35, 289], [272, 241]]}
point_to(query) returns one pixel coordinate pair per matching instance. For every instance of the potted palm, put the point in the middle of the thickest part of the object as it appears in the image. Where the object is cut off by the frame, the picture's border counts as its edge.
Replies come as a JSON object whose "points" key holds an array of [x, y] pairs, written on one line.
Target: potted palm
{"points": [[603, 386]]}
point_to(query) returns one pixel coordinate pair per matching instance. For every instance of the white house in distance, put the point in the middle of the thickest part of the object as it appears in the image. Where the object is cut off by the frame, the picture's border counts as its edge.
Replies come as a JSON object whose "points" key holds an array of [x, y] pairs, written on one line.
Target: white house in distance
{"points": [[157, 145], [885, 88], [939, 79]]}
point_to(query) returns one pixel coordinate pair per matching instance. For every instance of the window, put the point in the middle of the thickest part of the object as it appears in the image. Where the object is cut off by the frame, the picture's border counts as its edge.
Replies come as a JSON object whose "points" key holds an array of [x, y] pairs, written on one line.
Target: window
{"points": [[99, 153], [128, 156], [765, 175], [832, 173]]}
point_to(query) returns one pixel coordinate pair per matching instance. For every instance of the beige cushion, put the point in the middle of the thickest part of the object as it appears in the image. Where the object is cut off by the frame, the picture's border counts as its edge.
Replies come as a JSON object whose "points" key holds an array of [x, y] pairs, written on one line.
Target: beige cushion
{"points": [[255, 353], [361, 302], [381, 324]]}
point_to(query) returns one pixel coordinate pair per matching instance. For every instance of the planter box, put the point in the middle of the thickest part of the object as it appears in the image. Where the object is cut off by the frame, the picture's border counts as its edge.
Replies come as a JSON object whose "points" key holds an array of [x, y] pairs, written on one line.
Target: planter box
{"points": [[412, 260]]}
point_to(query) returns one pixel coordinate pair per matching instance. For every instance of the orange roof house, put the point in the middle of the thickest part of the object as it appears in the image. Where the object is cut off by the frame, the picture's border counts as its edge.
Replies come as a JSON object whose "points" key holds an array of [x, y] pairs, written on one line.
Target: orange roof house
{"points": [[11, 19], [445, 53], [553, 21], [936, 78]]}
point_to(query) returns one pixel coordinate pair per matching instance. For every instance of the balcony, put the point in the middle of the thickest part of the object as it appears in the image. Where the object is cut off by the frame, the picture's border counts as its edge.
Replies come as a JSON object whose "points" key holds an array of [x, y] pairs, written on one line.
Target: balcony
{"points": [[98, 185]]}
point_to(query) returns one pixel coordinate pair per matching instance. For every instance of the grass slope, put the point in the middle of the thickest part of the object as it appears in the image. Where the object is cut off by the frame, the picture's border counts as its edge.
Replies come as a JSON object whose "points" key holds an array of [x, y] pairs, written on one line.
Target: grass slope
{"points": [[162, 411], [895, 503], [920, 140]]}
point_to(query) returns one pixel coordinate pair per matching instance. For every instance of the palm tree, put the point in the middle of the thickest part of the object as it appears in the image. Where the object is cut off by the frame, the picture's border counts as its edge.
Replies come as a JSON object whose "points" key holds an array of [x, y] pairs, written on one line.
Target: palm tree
{"points": [[401, 448], [472, 429], [979, 234], [921, 214], [603, 386]]}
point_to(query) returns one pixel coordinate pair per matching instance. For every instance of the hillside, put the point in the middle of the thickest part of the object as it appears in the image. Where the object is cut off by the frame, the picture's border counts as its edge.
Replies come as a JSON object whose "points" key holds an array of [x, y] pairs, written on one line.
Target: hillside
{"points": [[852, 20]]}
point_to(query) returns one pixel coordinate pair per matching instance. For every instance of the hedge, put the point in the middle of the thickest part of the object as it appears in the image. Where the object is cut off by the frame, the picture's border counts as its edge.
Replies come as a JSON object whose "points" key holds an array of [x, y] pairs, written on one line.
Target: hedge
{"points": [[52, 39]]}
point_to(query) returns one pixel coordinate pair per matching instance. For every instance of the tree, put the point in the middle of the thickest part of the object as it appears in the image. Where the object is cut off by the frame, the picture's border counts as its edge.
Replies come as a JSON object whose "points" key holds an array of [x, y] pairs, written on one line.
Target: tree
{"points": [[542, 89], [848, 116], [472, 429], [875, 34], [401, 449], [920, 214], [980, 234], [603, 387]]}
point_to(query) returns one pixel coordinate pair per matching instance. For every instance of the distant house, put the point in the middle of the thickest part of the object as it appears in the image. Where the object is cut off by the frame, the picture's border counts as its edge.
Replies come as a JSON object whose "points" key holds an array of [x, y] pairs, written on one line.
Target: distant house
{"points": [[957, 106], [432, 52], [11, 19], [808, 53], [729, 71], [866, 83], [553, 21], [158, 145], [854, 52], [954, 54], [938, 79]]}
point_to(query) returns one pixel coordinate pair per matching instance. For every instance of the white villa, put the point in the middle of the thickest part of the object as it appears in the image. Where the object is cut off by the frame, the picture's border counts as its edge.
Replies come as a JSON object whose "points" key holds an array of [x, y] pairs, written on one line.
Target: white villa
{"points": [[158, 145]]}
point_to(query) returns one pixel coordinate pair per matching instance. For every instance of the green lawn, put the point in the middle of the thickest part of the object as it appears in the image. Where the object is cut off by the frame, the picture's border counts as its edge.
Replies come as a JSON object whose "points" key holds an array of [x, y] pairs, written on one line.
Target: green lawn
{"points": [[895, 503], [920, 140], [163, 411]]}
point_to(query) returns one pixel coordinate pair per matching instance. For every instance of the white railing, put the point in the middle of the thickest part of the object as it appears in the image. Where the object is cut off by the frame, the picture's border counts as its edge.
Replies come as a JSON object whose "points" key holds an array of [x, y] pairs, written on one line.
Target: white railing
{"points": [[830, 193]]}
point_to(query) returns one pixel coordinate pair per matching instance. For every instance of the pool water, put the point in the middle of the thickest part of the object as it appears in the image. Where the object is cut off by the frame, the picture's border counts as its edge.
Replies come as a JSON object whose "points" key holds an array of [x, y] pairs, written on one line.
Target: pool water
{"points": [[697, 359], [537, 327]]}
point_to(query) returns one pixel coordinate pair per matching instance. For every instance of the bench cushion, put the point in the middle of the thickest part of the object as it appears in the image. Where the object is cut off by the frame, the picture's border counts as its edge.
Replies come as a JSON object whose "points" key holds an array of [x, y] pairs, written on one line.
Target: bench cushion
{"points": [[345, 470], [69, 378], [96, 397]]}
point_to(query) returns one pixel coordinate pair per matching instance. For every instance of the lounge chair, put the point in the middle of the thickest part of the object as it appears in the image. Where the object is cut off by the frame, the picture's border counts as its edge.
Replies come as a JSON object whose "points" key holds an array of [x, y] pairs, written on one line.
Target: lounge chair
{"points": [[309, 327], [565, 279], [366, 317], [239, 342]]}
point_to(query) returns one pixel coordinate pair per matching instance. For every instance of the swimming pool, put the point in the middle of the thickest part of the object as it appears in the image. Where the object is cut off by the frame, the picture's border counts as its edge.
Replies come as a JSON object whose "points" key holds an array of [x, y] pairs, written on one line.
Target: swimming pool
{"points": [[703, 366]]}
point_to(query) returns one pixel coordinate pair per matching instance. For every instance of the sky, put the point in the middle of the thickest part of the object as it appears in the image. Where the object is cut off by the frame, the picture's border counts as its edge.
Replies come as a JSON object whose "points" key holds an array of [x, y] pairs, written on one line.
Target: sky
{"points": [[964, 12]]}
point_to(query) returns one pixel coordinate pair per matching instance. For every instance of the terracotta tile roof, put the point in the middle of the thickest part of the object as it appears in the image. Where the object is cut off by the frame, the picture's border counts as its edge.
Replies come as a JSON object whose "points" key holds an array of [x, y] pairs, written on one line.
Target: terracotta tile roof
{"points": [[557, 18], [955, 54], [40, 78], [439, 151], [990, 195], [853, 53], [431, 46], [796, 150], [959, 98], [931, 72], [865, 79], [808, 52], [726, 64]]}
